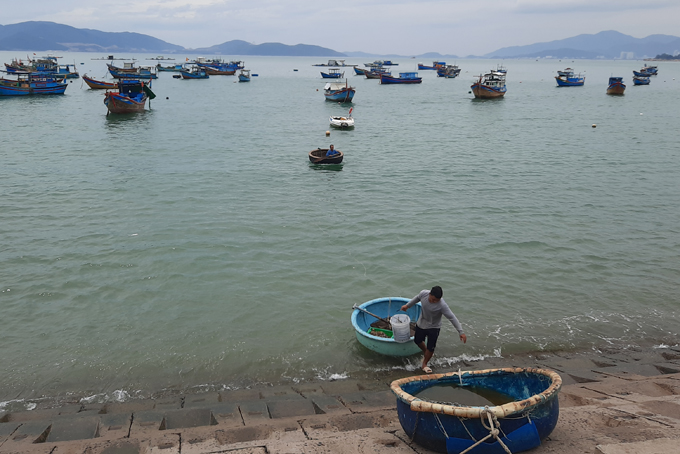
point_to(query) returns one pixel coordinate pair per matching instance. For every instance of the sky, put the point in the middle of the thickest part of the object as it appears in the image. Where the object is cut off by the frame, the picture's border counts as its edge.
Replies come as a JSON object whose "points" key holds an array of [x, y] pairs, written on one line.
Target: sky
{"points": [[403, 27]]}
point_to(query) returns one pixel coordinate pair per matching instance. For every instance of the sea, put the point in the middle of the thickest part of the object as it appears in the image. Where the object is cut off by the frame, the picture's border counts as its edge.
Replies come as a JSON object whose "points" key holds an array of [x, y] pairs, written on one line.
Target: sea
{"points": [[194, 247]]}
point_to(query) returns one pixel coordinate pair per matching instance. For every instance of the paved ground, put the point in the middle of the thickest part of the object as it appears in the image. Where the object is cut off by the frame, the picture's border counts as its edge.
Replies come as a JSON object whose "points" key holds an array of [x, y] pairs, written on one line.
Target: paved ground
{"points": [[612, 402]]}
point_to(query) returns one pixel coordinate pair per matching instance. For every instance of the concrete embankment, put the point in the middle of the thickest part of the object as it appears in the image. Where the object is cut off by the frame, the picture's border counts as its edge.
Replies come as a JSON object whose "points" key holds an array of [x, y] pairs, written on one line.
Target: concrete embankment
{"points": [[612, 402]]}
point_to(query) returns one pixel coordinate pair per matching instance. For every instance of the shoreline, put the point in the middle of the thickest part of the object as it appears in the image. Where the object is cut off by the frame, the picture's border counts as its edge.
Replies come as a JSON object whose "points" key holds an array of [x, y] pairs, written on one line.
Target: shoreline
{"points": [[610, 400]]}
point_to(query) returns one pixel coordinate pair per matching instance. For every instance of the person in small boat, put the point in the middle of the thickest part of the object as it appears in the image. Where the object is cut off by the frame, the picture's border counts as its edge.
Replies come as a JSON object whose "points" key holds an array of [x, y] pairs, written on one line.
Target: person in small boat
{"points": [[430, 321], [332, 151]]}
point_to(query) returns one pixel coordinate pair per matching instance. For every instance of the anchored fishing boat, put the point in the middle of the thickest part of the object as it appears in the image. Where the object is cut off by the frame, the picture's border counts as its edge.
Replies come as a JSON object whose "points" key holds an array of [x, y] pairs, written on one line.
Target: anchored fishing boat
{"points": [[527, 417], [616, 86], [33, 83], [318, 156], [435, 65], [404, 78], [359, 71], [333, 73], [130, 97], [244, 75], [97, 84], [343, 122], [373, 338], [196, 72], [219, 71], [448, 71], [339, 92], [640, 80], [490, 85], [376, 72], [567, 78]]}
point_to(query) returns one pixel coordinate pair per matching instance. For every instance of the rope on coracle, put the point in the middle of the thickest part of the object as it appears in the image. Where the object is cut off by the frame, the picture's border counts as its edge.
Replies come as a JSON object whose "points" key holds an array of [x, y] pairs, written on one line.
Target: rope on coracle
{"points": [[493, 429]]}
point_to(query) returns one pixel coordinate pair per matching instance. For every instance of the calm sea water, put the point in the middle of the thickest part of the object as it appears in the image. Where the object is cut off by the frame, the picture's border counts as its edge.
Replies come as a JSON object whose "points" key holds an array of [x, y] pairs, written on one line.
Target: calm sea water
{"points": [[193, 246]]}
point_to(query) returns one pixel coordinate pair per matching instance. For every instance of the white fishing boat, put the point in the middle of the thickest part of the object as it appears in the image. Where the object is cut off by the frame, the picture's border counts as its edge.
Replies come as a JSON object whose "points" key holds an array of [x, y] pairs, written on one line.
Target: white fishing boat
{"points": [[343, 122]]}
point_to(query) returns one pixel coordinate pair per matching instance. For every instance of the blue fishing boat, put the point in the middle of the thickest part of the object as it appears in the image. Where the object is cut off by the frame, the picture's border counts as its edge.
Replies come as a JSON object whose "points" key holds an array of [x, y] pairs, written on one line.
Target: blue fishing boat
{"points": [[404, 78], [376, 72], [640, 80], [448, 71], [372, 338], [651, 70], [567, 78], [129, 70], [616, 86], [333, 73], [490, 85], [434, 67], [34, 83], [359, 71], [529, 415], [131, 97], [196, 72], [171, 68], [339, 92], [642, 73], [244, 75], [389, 63]]}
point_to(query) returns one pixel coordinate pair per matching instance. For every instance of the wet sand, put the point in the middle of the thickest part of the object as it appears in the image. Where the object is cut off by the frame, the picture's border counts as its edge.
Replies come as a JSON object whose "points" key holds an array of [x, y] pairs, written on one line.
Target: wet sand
{"points": [[612, 402]]}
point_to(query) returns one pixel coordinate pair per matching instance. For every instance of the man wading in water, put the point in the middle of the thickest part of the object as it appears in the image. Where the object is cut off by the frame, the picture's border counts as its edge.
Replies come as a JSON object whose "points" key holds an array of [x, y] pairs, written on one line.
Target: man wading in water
{"points": [[430, 321]]}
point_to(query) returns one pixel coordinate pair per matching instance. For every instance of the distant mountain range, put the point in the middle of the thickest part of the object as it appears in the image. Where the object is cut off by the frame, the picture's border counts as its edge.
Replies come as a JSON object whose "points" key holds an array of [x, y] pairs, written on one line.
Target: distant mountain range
{"points": [[607, 44], [50, 36]]}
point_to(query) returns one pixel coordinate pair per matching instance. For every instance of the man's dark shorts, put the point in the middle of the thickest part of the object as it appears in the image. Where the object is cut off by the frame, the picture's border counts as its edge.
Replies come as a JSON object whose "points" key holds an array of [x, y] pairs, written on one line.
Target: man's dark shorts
{"points": [[432, 334]]}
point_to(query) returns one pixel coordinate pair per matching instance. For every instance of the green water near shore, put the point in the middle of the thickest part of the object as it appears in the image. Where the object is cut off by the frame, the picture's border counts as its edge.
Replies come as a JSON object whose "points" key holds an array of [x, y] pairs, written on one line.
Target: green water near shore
{"points": [[194, 246]]}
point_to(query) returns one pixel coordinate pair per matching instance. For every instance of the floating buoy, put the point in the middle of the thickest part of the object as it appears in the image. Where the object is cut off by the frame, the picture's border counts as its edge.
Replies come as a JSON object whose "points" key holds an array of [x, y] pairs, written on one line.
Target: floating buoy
{"points": [[328, 133], [295, 69], [594, 125], [167, 97], [640, 113], [317, 89]]}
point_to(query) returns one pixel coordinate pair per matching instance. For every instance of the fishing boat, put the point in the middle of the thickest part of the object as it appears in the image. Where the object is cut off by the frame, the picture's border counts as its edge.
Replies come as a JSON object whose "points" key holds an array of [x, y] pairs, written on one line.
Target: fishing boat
{"points": [[339, 92], [435, 65], [364, 316], [376, 72], [33, 83], [616, 86], [529, 415], [220, 71], [404, 78], [244, 75], [99, 85], [374, 64], [567, 78], [318, 156], [389, 63], [195, 72], [342, 122], [448, 71], [335, 63], [642, 73], [490, 85], [359, 71], [640, 80], [333, 73], [171, 68], [651, 70], [130, 97], [130, 70]]}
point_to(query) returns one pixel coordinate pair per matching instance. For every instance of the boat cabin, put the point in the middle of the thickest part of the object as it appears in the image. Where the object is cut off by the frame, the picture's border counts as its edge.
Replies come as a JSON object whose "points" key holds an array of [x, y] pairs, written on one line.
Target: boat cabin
{"points": [[132, 88], [408, 75]]}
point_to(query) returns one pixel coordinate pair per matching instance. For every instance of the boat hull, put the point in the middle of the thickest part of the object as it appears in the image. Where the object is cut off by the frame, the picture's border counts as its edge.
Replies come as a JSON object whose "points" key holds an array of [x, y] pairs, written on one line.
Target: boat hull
{"points": [[197, 75], [118, 104], [529, 418], [318, 156], [342, 122], [344, 95], [482, 91], [12, 88], [617, 89], [642, 81], [570, 81], [390, 80], [385, 308], [332, 75], [98, 85]]}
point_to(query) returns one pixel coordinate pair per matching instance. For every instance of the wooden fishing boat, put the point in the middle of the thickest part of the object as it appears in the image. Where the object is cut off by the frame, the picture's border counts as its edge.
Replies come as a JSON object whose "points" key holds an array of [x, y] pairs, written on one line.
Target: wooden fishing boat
{"points": [[130, 97], [244, 75], [376, 72], [195, 72], [32, 84], [219, 71], [359, 71], [640, 80], [435, 65], [99, 85], [528, 417], [333, 73], [384, 308], [343, 122], [318, 156], [404, 78], [616, 86], [490, 85], [573, 81], [339, 92]]}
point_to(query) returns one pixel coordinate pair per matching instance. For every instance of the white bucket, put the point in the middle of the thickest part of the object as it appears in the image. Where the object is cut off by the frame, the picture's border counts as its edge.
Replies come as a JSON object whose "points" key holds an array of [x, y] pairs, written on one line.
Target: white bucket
{"points": [[401, 327]]}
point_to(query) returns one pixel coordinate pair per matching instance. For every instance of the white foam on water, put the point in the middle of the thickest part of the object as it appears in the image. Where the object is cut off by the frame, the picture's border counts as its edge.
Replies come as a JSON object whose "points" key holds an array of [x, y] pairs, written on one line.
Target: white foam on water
{"points": [[31, 406], [7, 402], [120, 396], [101, 397]]}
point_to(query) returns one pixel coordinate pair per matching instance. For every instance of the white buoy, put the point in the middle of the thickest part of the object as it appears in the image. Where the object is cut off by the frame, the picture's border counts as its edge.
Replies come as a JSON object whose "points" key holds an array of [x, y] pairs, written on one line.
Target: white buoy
{"points": [[640, 113], [328, 133]]}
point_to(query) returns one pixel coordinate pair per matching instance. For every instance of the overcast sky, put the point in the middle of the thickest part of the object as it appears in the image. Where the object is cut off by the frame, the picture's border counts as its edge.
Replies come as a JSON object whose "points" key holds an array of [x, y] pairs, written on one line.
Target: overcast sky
{"points": [[402, 27]]}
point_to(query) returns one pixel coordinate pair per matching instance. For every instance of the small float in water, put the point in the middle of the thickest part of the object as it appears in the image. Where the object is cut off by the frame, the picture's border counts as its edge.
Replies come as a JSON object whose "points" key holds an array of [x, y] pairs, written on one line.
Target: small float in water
{"points": [[529, 414]]}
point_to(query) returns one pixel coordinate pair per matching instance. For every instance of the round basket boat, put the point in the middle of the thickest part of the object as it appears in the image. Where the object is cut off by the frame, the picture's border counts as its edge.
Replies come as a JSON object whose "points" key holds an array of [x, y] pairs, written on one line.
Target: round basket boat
{"points": [[318, 156], [451, 428], [384, 308]]}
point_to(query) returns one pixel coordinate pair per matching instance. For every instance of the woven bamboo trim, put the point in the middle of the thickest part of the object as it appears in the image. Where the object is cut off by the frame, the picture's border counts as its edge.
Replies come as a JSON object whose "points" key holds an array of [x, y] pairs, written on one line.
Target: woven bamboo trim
{"points": [[501, 411]]}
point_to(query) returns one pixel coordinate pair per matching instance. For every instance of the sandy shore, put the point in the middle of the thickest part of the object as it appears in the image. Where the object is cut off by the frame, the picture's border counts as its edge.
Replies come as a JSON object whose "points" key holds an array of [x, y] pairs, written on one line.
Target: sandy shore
{"points": [[611, 402]]}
